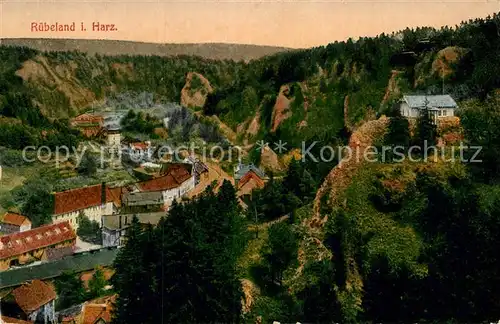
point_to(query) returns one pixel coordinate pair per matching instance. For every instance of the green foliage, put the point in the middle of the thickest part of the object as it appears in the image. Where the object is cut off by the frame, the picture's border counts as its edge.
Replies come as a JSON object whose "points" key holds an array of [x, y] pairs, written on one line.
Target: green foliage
{"points": [[70, 290], [88, 165], [140, 123], [89, 231], [426, 132], [97, 284], [480, 122], [194, 273], [281, 248], [35, 200]]}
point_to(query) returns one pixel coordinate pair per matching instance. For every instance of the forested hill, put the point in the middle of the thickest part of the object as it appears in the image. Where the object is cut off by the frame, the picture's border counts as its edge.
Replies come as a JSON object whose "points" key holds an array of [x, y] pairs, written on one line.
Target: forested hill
{"points": [[319, 93], [216, 51], [377, 241]]}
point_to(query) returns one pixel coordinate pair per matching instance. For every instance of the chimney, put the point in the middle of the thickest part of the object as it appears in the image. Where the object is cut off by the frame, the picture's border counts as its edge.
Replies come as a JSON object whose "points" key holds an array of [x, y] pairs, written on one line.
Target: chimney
{"points": [[103, 193]]}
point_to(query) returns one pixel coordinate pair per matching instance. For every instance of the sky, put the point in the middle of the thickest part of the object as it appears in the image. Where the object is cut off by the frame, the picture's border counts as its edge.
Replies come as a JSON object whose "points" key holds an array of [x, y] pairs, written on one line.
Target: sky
{"points": [[288, 23]]}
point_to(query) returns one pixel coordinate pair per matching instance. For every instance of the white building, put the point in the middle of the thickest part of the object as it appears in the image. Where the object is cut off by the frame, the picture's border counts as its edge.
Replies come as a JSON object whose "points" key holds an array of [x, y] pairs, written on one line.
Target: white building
{"points": [[439, 106], [176, 181], [93, 201]]}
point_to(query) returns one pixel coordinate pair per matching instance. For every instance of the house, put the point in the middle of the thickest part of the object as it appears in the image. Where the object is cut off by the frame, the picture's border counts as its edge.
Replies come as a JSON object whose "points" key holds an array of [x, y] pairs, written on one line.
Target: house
{"points": [[175, 182], [142, 201], [249, 182], [97, 311], [25, 247], [32, 301], [438, 105], [140, 151], [13, 222], [93, 201], [115, 226], [199, 168], [86, 120], [242, 169]]}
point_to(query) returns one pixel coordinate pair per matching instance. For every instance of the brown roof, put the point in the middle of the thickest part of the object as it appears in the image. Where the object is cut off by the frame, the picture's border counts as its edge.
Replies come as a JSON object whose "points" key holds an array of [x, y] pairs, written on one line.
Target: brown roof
{"points": [[139, 145], [82, 198], [31, 296], [251, 176], [40, 237], [91, 131], [115, 195], [93, 312], [10, 320], [14, 219], [87, 118], [175, 176], [77, 199]]}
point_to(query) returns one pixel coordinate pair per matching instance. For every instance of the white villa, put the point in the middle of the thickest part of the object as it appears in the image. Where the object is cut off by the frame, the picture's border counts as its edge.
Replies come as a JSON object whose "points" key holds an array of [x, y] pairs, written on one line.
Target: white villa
{"points": [[439, 105]]}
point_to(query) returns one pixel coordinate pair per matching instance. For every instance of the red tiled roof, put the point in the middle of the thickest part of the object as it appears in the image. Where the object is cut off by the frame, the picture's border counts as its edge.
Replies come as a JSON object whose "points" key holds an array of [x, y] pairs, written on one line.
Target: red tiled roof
{"points": [[91, 131], [77, 199], [115, 195], [174, 176], [14, 219], [139, 145], [10, 320], [40, 237], [87, 118], [159, 184], [93, 312], [250, 175], [31, 296]]}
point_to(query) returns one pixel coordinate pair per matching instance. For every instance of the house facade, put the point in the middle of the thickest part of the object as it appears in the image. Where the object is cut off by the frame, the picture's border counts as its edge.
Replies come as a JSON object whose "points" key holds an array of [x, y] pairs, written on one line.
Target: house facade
{"points": [[176, 181], [13, 223], [34, 245], [115, 226], [93, 202], [438, 105]]}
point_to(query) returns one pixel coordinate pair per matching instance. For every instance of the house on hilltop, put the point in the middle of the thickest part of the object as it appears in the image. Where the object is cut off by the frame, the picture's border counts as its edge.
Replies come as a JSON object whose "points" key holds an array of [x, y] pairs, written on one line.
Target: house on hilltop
{"points": [[33, 301], [13, 223], [35, 245], [438, 105]]}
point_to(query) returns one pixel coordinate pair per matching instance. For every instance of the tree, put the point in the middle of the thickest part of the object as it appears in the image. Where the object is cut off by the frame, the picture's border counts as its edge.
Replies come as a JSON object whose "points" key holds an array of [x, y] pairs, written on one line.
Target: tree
{"points": [[299, 182], [36, 200], [426, 128], [70, 290], [88, 165], [282, 249], [134, 280], [97, 284], [89, 231]]}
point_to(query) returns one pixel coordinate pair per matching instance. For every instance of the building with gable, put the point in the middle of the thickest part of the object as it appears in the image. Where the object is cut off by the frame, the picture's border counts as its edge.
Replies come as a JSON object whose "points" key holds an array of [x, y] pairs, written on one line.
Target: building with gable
{"points": [[32, 301], [93, 201], [35, 245], [13, 223], [438, 105], [242, 169]]}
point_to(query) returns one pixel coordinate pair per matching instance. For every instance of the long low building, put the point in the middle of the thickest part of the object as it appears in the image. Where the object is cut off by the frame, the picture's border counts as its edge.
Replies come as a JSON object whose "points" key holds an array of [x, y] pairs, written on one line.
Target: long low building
{"points": [[78, 262], [35, 245]]}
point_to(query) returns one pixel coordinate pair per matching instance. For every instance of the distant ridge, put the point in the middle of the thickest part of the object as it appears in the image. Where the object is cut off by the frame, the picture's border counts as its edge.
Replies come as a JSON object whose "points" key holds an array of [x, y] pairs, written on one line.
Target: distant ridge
{"points": [[217, 51]]}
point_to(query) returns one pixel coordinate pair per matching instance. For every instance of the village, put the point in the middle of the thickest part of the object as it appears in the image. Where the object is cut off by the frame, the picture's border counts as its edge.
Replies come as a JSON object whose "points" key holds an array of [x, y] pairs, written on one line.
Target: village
{"points": [[33, 258]]}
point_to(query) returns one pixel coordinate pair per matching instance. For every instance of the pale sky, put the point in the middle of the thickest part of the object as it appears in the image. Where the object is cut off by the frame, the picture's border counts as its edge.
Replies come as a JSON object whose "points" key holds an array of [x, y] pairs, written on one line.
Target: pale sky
{"points": [[299, 23]]}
